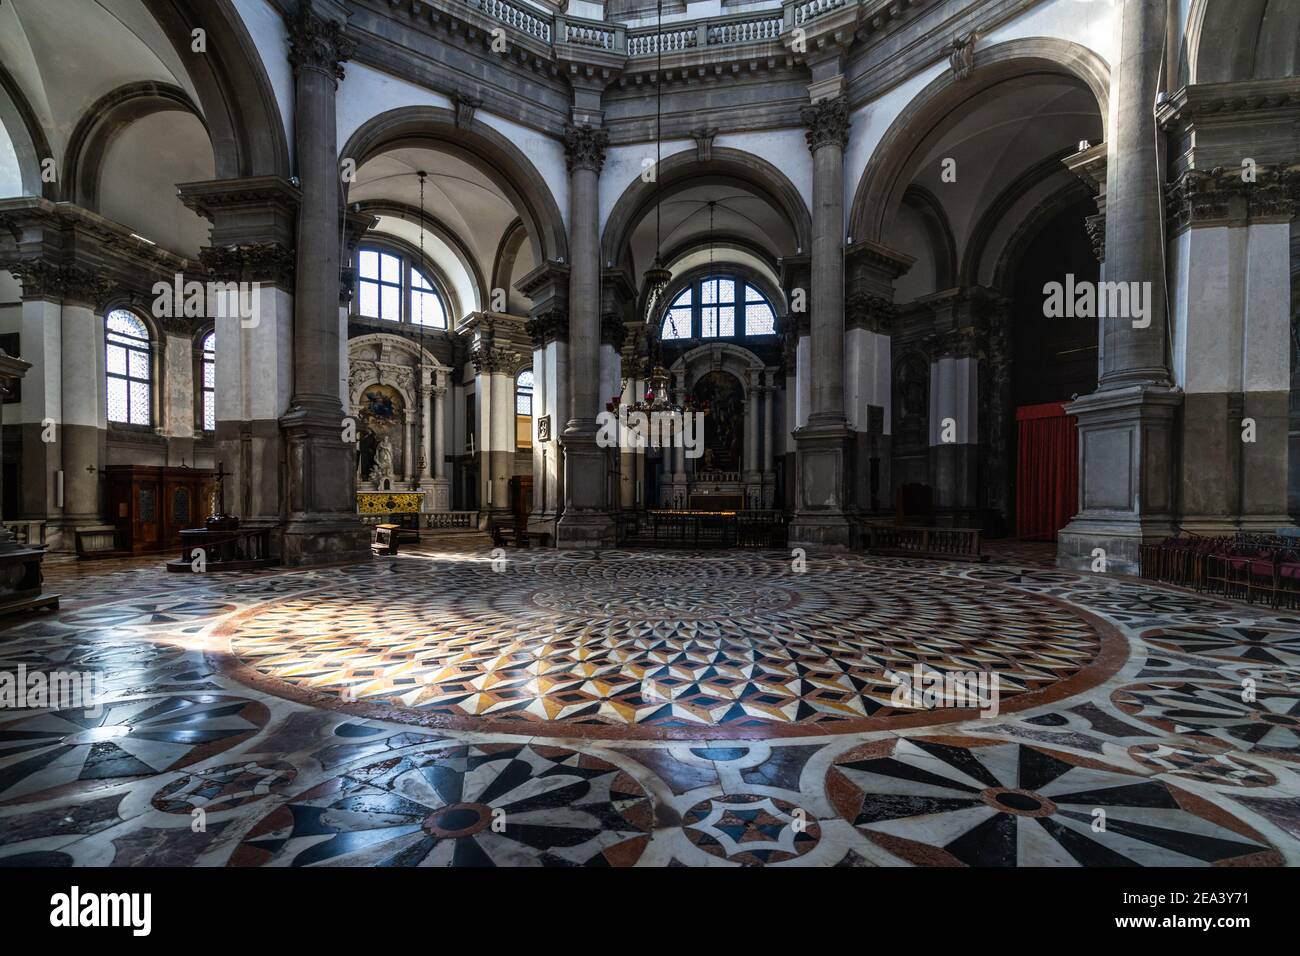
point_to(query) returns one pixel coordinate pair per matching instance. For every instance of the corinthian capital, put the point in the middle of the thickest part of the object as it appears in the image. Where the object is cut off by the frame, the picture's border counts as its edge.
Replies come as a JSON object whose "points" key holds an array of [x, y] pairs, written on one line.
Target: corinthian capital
{"points": [[584, 147], [827, 122], [318, 43]]}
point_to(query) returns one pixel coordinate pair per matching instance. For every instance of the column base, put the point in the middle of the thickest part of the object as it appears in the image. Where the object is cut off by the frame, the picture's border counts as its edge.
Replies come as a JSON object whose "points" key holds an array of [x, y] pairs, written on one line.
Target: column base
{"points": [[1126, 477], [1120, 539], [824, 514], [308, 541], [587, 521], [585, 530]]}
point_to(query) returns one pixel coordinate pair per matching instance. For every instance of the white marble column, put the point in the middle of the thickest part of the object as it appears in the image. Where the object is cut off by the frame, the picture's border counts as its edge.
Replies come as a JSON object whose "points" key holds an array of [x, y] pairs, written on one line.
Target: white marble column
{"points": [[769, 431], [439, 433]]}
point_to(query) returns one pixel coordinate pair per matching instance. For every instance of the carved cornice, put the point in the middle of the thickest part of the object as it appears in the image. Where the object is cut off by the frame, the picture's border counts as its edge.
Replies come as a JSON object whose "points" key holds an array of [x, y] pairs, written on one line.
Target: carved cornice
{"points": [[250, 262], [318, 43], [1227, 195], [961, 56], [585, 147], [827, 122]]}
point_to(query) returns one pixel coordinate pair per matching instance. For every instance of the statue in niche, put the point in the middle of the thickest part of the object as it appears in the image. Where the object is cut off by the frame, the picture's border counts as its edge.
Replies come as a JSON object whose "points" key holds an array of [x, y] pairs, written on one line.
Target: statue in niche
{"points": [[383, 460]]}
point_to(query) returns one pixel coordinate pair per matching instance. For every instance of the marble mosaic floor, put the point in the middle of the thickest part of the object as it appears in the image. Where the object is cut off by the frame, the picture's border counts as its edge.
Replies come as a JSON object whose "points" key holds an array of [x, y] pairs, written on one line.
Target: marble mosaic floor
{"points": [[649, 708]]}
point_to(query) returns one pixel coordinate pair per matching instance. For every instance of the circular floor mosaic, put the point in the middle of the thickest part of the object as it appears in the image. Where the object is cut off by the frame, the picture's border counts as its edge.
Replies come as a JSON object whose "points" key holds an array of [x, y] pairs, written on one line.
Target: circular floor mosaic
{"points": [[643, 645], [484, 805]]}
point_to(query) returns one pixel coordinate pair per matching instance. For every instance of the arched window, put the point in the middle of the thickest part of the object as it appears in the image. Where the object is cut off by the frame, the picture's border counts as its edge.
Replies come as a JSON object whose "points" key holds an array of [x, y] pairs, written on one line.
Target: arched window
{"points": [[524, 392], [128, 363], [718, 306], [391, 288], [524, 409], [210, 382]]}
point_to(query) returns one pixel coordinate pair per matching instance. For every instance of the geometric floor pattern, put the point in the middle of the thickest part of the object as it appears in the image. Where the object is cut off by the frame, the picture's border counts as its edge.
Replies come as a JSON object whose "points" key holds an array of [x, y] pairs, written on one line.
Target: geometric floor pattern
{"points": [[643, 645], [647, 709]]}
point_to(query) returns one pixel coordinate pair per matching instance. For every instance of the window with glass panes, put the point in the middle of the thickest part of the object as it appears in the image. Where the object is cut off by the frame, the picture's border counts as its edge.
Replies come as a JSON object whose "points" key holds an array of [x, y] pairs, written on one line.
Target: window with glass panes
{"points": [[719, 306], [128, 367], [524, 392], [391, 288], [210, 382]]}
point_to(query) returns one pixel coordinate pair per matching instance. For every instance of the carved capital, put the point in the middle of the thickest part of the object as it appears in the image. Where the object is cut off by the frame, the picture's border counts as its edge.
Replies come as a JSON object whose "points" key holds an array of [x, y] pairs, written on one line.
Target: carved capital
{"points": [[317, 43], [827, 122], [489, 360], [549, 326], [612, 330], [875, 313], [1234, 194], [250, 262], [70, 283], [585, 146]]}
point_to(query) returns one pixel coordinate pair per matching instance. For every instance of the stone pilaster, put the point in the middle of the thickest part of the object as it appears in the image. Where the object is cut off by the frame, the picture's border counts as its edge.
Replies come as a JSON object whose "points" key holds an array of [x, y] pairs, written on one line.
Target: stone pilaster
{"points": [[321, 524], [824, 480], [587, 521], [548, 327]]}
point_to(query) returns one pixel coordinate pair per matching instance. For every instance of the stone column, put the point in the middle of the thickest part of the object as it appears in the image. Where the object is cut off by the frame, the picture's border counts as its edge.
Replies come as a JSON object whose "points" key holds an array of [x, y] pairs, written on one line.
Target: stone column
{"points": [[253, 223], [548, 326], [1126, 428], [868, 367], [823, 473], [426, 436], [322, 524], [439, 433], [587, 521], [753, 389], [1136, 353], [84, 412], [42, 402], [769, 432], [177, 391]]}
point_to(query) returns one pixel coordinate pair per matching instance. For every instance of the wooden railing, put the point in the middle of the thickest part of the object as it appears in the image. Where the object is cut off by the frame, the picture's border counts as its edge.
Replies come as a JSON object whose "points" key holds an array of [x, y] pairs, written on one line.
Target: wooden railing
{"points": [[957, 544]]}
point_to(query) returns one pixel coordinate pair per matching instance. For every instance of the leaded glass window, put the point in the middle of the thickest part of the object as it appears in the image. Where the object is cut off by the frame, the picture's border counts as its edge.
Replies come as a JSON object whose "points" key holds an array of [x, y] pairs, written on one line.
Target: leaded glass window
{"points": [[128, 366]]}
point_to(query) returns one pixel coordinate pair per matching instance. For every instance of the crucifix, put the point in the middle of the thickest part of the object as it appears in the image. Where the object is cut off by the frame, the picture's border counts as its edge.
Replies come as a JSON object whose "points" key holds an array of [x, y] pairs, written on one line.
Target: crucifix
{"points": [[218, 518]]}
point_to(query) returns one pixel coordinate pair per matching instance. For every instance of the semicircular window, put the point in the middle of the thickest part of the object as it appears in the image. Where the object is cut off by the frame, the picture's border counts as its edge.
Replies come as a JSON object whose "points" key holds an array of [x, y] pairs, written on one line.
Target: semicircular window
{"points": [[718, 307]]}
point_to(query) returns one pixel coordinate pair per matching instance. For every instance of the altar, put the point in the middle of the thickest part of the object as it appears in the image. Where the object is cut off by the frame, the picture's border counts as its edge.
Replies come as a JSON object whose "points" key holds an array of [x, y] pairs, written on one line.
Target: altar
{"points": [[402, 508]]}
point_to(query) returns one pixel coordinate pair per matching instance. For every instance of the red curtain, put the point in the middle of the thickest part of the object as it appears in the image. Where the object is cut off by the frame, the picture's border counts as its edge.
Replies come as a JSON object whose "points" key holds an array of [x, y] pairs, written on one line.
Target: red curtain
{"points": [[1047, 471]]}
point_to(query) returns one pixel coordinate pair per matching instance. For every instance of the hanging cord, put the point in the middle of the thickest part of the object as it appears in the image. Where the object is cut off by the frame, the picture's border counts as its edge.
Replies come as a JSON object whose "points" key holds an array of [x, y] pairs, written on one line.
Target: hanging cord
{"points": [[421, 463]]}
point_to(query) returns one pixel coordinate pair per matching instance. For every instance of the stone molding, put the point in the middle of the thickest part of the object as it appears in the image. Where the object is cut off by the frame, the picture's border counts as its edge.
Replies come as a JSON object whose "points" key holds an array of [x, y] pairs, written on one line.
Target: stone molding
{"points": [[491, 360]]}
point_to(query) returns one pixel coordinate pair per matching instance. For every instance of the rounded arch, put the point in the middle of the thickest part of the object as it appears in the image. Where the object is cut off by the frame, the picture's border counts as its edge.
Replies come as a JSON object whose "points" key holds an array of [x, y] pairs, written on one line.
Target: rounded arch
{"points": [[727, 357], [439, 229], [235, 93], [507, 255], [938, 231], [880, 188], [476, 142], [27, 136], [684, 169], [1228, 40], [108, 116], [378, 350], [743, 271]]}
